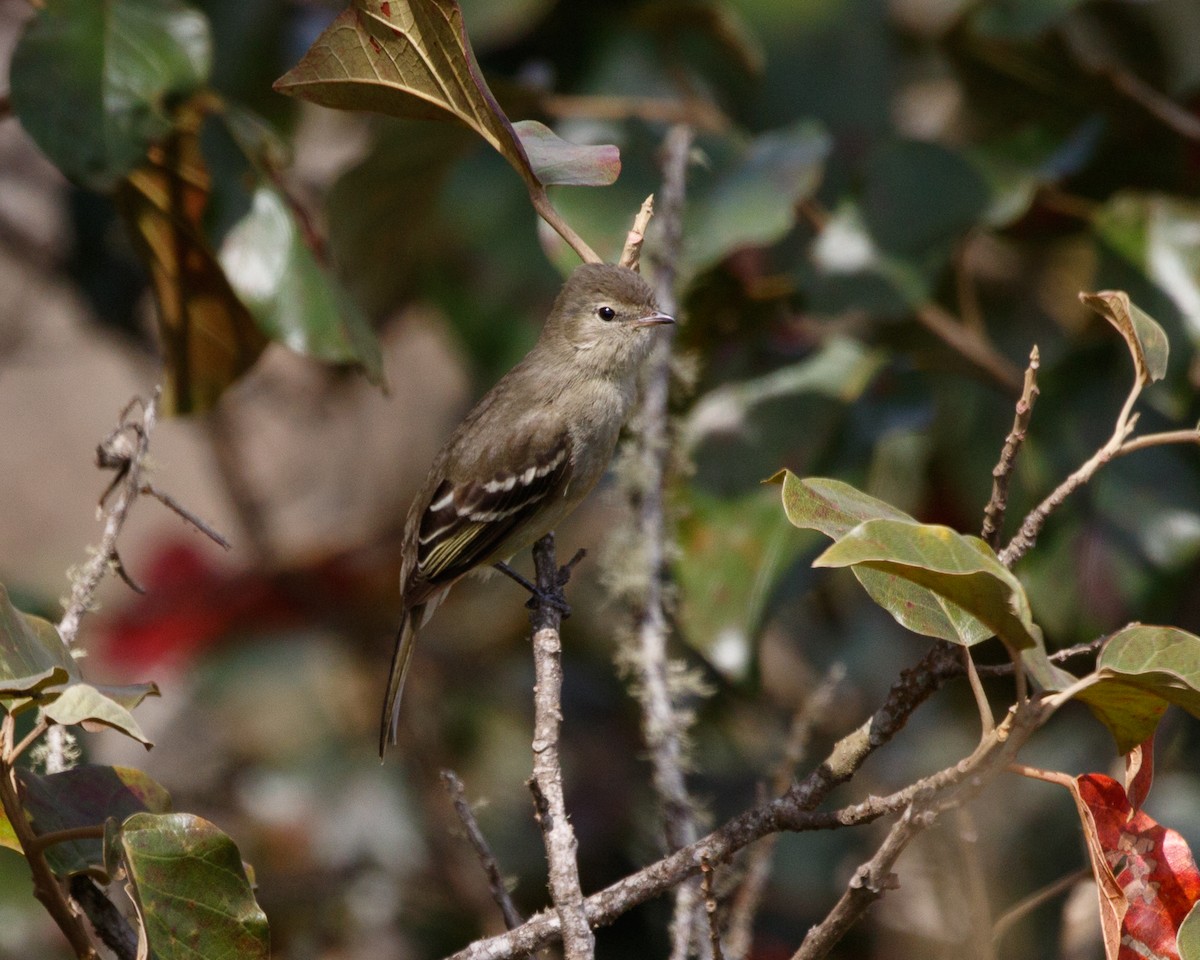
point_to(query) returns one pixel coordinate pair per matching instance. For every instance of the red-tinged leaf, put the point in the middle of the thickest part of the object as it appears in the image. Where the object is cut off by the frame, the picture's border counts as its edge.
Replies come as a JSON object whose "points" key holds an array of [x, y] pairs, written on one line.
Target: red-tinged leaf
{"points": [[558, 161], [1145, 873], [85, 796]]}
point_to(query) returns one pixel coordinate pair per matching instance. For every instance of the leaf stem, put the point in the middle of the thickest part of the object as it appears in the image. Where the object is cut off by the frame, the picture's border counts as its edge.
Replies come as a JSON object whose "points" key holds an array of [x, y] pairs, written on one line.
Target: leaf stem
{"points": [[541, 203]]}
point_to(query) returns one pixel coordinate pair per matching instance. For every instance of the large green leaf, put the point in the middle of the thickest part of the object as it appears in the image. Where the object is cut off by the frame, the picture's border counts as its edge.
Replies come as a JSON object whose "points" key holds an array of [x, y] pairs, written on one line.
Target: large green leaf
{"points": [[85, 796], [751, 201], [189, 885], [732, 552], [292, 297], [93, 82], [907, 217], [835, 508], [961, 571], [1141, 671]]}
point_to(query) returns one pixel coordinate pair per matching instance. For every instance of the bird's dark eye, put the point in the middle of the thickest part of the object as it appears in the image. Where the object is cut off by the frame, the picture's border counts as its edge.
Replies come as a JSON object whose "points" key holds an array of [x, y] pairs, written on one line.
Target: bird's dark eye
{"points": [[606, 313]]}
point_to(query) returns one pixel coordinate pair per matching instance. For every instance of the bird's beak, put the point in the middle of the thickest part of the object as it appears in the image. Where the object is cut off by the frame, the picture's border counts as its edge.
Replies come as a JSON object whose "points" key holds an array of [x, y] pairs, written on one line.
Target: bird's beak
{"points": [[653, 320]]}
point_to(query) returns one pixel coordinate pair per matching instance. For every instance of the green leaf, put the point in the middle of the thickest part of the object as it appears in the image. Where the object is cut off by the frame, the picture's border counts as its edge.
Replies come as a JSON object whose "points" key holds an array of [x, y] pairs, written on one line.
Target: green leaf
{"points": [[831, 506], [1147, 341], [188, 883], [752, 201], [835, 508], [842, 369], [1141, 671], [32, 656], [962, 571], [292, 298], [85, 796], [83, 703], [904, 210], [732, 552], [1187, 939], [93, 83]]}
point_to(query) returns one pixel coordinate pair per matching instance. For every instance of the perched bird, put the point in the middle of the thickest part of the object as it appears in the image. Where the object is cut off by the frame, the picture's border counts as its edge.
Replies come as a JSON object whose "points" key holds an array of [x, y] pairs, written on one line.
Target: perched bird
{"points": [[528, 452]]}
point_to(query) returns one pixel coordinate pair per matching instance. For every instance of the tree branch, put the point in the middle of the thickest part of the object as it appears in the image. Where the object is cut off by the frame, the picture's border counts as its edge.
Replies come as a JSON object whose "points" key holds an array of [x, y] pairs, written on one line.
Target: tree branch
{"points": [[579, 943], [483, 850], [997, 505]]}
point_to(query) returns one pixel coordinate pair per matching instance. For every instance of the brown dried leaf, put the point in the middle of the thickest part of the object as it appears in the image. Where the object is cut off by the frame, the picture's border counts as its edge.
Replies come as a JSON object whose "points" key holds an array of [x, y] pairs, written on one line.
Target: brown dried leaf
{"points": [[1146, 339], [209, 337]]}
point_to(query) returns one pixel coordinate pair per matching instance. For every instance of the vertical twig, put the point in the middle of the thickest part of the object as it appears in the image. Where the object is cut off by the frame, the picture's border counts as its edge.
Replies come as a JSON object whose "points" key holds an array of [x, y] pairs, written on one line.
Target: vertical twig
{"points": [[663, 727], [993, 513], [546, 784]]}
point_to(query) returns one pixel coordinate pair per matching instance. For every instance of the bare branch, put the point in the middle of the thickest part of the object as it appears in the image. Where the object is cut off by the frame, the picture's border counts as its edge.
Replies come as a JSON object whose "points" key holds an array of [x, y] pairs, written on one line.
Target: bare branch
{"points": [[993, 514], [483, 850], [869, 883], [127, 456], [940, 791], [46, 886], [172, 504], [1118, 445], [710, 908], [631, 255], [579, 943]]}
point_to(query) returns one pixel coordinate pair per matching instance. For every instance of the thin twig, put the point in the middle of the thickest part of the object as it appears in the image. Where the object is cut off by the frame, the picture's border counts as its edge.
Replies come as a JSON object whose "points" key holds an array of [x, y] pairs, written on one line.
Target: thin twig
{"points": [[483, 850], [1026, 905], [663, 724], [579, 943], [1118, 445], [129, 459], [30, 738], [172, 504], [710, 908], [993, 514], [631, 254], [790, 812], [43, 840]]}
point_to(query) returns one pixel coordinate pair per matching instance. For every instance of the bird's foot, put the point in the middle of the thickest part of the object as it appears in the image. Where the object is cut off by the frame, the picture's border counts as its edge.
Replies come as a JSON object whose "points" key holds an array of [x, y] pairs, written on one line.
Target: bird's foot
{"points": [[538, 596]]}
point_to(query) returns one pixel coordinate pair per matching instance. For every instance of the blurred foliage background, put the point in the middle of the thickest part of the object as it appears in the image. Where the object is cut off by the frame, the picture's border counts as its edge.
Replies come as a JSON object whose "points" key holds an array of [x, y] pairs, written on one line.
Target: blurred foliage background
{"points": [[890, 204]]}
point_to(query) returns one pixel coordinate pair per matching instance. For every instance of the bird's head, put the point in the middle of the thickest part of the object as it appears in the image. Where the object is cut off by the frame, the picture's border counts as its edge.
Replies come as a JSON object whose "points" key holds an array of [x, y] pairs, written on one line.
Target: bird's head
{"points": [[605, 314]]}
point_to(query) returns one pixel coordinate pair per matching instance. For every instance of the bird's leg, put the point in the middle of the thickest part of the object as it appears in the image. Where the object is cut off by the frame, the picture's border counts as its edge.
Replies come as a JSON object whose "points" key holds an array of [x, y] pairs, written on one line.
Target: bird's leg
{"points": [[536, 596]]}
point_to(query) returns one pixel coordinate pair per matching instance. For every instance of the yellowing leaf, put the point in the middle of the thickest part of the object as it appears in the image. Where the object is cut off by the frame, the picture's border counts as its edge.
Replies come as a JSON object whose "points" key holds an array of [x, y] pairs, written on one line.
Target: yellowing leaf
{"points": [[209, 338]]}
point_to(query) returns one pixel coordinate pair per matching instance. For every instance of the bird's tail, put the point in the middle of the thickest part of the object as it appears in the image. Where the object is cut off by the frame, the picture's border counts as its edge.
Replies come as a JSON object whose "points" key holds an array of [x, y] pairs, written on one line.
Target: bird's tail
{"points": [[406, 637]]}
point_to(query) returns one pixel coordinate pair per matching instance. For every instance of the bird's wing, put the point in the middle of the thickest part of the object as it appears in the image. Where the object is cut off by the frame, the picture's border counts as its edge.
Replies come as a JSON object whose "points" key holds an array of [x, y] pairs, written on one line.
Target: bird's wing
{"points": [[466, 522]]}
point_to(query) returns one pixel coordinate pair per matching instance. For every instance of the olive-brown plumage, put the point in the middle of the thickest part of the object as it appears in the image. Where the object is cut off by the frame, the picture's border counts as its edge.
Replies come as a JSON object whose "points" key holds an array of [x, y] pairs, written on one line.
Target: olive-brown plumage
{"points": [[528, 452]]}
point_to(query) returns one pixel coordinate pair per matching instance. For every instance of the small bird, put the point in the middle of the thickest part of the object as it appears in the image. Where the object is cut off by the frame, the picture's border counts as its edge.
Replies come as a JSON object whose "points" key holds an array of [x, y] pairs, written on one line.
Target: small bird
{"points": [[529, 451]]}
